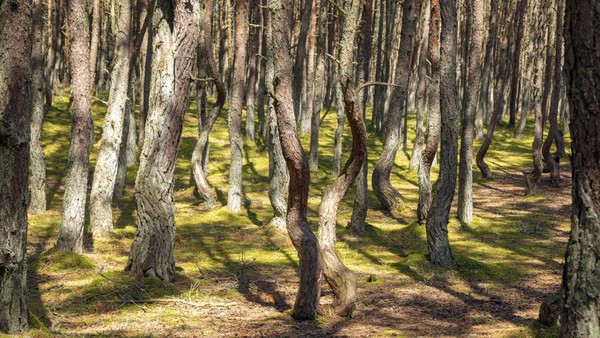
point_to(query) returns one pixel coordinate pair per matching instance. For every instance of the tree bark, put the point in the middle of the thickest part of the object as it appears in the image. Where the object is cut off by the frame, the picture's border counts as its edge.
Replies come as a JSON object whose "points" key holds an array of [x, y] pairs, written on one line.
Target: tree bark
{"points": [[205, 54], [303, 239], [70, 236], [433, 116], [37, 204], [234, 197], [15, 120], [437, 220], [469, 108], [338, 276], [388, 196], [253, 61], [95, 37], [581, 278], [105, 173], [359, 210], [174, 56]]}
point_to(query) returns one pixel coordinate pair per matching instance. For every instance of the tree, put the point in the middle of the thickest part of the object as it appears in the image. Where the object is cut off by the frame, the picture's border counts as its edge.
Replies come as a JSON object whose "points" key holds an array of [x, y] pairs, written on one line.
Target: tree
{"points": [[437, 219], [105, 174], [15, 119], [207, 61], [581, 278], [388, 196], [303, 239], [236, 97], [174, 45], [433, 116], [37, 202], [338, 276], [70, 237], [469, 108]]}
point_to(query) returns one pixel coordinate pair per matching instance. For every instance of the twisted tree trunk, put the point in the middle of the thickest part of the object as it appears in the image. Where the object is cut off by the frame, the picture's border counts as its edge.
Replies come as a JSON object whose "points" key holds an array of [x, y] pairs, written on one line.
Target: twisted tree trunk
{"points": [[174, 56], [303, 239]]}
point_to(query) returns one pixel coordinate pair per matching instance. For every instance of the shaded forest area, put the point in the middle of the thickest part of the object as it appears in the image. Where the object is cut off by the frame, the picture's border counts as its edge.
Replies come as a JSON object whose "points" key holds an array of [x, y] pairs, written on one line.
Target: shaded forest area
{"points": [[300, 168]]}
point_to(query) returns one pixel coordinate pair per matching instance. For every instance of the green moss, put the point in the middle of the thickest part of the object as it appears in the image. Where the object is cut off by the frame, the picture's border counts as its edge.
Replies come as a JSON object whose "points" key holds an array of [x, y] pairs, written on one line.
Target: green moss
{"points": [[60, 261]]}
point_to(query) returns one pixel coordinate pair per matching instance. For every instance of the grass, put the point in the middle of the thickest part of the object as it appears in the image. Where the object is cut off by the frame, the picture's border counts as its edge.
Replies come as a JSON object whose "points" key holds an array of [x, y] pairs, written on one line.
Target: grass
{"points": [[226, 258]]}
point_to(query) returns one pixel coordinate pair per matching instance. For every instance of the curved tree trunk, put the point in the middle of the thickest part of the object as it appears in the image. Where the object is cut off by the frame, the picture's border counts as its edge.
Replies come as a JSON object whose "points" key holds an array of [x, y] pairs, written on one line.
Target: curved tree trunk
{"points": [[15, 104], [433, 116], [553, 134], [359, 210], [175, 54], [338, 276], [205, 54], [303, 239], [469, 107], [437, 220], [112, 131], [37, 204], [388, 196], [338, 138], [532, 178], [70, 236], [581, 277], [236, 96]]}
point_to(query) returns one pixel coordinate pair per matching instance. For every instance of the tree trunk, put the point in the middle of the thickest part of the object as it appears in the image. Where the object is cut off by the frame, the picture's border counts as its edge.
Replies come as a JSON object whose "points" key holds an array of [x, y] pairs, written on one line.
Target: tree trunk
{"points": [[338, 276], [303, 239], [486, 96], [300, 77], [338, 138], [388, 196], [37, 204], [174, 56], [469, 108], [553, 134], [253, 60], [70, 236], [95, 36], [433, 116], [318, 89], [234, 198], [101, 221], [359, 210], [437, 220], [421, 89], [206, 57], [279, 183], [15, 129], [581, 278]]}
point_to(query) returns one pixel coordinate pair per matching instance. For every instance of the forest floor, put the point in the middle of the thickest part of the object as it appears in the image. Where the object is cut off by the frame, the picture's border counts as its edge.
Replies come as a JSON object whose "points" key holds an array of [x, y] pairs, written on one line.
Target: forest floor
{"points": [[236, 276]]}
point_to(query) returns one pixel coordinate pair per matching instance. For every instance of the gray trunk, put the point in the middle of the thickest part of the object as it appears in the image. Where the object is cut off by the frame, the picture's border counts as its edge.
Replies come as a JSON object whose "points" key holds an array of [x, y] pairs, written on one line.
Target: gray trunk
{"points": [[112, 130], [469, 108], [234, 197], [37, 203], [15, 128], [70, 236], [437, 220], [581, 278], [174, 56]]}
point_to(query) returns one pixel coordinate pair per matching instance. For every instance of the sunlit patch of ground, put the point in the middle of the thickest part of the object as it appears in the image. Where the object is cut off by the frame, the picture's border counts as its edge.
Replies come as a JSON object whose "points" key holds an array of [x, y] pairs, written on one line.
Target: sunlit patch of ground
{"points": [[237, 276]]}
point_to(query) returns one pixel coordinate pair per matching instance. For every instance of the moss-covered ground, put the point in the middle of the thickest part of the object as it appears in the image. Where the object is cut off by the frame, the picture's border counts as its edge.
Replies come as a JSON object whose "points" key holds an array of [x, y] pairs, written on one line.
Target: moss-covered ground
{"points": [[237, 276]]}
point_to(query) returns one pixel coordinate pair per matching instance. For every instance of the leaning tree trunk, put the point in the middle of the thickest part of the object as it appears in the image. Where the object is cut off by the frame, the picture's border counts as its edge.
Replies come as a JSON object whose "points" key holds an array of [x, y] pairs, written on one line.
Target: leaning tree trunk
{"points": [[553, 134], [103, 185], [532, 178], [206, 56], [338, 276], [359, 210], [174, 56], [433, 116], [581, 277], [37, 204], [388, 196], [70, 236], [469, 107], [303, 239], [236, 97], [15, 119], [437, 220]]}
